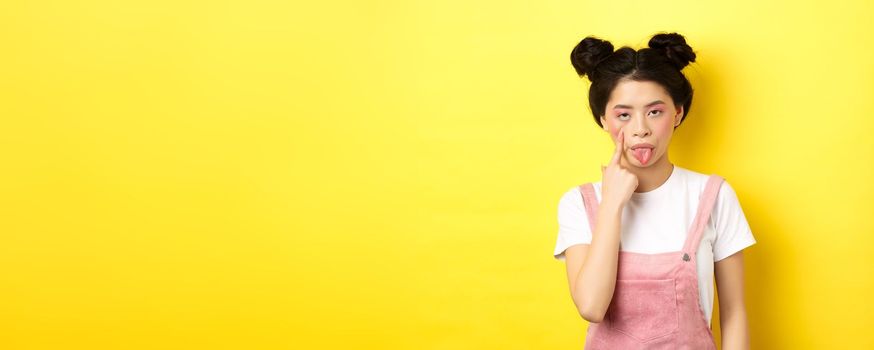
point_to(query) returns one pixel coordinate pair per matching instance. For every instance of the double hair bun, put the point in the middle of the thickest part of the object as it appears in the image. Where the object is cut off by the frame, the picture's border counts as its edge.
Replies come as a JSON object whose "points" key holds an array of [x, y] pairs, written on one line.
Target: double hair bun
{"points": [[592, 51], [674, 47]]}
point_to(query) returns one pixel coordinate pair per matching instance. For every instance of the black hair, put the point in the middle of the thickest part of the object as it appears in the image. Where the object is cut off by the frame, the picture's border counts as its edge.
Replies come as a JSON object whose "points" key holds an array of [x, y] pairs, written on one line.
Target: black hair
{"points": [[662, 63]]}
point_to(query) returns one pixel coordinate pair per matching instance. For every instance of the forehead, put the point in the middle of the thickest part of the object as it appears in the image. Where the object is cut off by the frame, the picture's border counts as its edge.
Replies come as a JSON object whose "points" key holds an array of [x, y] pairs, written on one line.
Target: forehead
{"points": [[637, 93]]}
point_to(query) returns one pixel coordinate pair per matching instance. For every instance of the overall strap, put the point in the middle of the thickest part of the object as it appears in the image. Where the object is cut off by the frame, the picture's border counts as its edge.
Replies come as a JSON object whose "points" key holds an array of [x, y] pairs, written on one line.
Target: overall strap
{"points": [[705, 206], [590, 202]]}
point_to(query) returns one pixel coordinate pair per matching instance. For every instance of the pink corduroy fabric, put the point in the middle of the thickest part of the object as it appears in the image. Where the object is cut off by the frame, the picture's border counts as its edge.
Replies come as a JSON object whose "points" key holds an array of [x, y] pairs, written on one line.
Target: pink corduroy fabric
{"points": [[655, 302]]}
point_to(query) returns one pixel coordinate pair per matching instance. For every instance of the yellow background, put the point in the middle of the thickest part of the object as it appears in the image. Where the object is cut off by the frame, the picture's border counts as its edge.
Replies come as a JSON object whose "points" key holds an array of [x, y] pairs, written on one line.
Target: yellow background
{"points": [[385, 174]]}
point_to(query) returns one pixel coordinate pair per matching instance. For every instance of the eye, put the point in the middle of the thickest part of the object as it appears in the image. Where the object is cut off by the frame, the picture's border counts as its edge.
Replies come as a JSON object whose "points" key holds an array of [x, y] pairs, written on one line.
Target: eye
{"points": [[623, 114], [656, 111]]}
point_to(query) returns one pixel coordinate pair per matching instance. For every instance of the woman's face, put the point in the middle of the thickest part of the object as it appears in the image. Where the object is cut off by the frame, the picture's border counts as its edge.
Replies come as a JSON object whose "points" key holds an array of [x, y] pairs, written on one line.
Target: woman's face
{"points": [[646, 114]]}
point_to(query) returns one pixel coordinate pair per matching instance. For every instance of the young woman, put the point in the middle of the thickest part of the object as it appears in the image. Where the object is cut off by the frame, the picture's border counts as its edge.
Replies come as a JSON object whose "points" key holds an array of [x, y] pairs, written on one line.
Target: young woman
{"points": [[642, 246]]}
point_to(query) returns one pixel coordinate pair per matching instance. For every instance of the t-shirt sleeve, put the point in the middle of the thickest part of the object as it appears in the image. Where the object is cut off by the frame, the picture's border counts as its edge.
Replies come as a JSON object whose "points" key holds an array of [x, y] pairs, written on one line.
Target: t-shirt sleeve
{"points": [[733, 233], [573, 224]]}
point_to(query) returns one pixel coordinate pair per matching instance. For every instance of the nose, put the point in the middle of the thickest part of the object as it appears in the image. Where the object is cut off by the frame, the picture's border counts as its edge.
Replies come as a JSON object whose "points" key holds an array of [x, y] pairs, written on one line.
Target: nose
{"points": [[640, 128]]}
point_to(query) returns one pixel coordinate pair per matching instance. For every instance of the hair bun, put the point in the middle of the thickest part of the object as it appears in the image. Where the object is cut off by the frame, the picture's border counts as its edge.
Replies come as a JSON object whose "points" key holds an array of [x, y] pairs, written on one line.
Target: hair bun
{"points": [[674, 47], [588, 53]]}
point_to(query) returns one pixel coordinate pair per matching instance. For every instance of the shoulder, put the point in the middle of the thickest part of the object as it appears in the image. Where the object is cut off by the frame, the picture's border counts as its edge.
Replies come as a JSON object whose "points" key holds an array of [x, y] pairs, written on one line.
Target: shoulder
{"points": [[572, 199], [691, 179], [726, 198], [569, 193], [575, 192], [571, 210], [698, 181], [725, 203]]}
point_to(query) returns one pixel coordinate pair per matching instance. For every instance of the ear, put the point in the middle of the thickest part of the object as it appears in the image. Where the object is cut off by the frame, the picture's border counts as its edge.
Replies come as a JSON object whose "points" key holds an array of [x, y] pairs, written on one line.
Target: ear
{"points": [[679, 117], [604, 123]]}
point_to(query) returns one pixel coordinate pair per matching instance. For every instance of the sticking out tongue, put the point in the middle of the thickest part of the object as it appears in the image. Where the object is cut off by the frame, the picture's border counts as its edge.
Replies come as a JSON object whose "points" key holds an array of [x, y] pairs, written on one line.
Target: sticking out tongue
{"points": [[642, 154]]}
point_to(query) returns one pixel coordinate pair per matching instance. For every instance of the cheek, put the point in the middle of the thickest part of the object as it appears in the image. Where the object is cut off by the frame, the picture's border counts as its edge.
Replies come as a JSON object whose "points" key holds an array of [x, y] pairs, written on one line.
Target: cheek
{"points": [[663, 128], [613, 126]]}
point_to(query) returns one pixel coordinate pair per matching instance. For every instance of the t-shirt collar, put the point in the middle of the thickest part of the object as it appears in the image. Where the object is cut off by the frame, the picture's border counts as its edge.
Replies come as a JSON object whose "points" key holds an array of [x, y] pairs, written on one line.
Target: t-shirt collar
{"points": [[658, 191]]}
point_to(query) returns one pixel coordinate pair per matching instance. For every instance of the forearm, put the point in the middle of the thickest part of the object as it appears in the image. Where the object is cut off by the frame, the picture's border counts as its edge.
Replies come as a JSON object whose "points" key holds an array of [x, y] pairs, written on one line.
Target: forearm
{"points": [[735, 333], [597, 277]]}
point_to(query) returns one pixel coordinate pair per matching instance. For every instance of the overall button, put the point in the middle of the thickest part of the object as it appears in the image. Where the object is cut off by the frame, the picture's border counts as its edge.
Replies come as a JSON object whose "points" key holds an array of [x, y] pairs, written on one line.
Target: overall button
{"points": [[686, 257]]}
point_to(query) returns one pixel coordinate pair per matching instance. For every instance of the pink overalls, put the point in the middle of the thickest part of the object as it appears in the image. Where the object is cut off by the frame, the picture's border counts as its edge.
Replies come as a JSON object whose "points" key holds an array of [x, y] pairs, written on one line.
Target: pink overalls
{"points": [[655, 302]]}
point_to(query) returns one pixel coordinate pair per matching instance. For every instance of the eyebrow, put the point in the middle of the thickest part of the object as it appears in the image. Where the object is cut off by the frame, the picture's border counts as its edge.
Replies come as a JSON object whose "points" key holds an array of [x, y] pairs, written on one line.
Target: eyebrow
{"points": [[647, 105]]}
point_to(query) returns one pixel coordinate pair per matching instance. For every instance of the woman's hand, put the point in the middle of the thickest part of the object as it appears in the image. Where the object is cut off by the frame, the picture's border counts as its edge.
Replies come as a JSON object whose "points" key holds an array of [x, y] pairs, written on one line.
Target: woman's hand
{"points": [[617, 183]]}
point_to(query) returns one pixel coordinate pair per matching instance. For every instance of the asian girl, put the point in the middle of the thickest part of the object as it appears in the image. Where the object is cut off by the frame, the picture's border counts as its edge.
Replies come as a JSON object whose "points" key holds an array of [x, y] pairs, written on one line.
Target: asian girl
{"points": [[642, 246]]}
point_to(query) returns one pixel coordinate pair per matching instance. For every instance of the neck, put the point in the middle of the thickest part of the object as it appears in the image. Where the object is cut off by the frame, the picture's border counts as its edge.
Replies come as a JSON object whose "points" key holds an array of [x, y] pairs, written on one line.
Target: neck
{"points": [[651, 177]]}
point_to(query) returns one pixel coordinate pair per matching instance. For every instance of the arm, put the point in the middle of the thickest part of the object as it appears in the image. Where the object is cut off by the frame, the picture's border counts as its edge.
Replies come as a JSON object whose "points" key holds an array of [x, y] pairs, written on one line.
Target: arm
{"points": [[591, 268], [732, 311]]}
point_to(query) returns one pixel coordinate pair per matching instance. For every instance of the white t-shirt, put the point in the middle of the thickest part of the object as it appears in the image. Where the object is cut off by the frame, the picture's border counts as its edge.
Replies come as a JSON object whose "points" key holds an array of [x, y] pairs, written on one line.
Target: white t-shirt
{"points": [[658, 222]]}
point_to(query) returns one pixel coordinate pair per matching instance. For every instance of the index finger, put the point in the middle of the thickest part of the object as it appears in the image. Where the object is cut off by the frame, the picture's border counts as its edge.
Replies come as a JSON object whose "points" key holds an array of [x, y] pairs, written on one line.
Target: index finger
{"points": [[620, 147]]}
